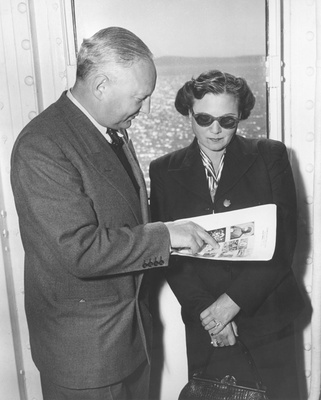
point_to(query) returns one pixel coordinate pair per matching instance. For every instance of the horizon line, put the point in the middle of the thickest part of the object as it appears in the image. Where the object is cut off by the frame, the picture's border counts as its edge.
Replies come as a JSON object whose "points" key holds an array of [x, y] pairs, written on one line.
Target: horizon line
{"points": [[236, 56]]}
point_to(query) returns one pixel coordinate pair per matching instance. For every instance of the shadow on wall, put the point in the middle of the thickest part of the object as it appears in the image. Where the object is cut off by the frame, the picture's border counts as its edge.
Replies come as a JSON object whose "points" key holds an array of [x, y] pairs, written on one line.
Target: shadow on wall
{"points": [[301, 265], [158, 348]]}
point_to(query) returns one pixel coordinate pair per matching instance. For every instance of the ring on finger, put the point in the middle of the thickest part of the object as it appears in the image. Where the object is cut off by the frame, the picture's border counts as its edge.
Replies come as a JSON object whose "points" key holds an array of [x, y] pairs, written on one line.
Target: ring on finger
{"points": [[216, 323]]}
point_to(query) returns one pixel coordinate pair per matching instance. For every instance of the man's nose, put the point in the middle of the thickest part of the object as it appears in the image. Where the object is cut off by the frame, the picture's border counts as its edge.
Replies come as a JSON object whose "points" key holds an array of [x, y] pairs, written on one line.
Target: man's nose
{"points": [[146, 106]]}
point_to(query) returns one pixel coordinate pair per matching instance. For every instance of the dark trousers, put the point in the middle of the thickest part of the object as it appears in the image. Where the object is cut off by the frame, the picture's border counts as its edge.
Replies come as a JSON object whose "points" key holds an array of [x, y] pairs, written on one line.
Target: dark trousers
{"points": [[134, 387]]}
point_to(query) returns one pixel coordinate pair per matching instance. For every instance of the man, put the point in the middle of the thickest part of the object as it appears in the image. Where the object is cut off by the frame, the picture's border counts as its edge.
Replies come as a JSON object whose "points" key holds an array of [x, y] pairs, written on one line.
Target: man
{"points": [[82, 207]]}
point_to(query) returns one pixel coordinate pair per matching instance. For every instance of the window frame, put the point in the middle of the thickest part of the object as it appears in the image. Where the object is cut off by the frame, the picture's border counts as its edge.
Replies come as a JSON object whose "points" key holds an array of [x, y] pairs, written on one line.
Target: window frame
{"points": [[274, 70], [274, 62]]}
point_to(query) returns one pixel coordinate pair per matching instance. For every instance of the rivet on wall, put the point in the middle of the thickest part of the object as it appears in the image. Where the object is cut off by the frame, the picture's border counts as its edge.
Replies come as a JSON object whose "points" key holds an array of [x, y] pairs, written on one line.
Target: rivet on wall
{"points": [[310, 137], [307, 373], [22, 7], [309, 168], [29, 80], [309, 35], [309, 260], [307, 346], [309, 199], [310, 71], [55, 6], [32, 114], [309, 104], [58, 41], [25, 44]]}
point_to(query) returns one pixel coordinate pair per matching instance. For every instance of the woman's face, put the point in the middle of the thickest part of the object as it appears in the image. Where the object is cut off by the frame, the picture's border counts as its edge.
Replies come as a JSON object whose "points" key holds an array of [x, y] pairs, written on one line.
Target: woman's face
{"points": [[214, 137]]}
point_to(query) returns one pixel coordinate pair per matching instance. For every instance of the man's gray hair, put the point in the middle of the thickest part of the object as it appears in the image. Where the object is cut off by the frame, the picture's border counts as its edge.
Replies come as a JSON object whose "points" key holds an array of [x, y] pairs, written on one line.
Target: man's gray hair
{"points": [[113, 45]]}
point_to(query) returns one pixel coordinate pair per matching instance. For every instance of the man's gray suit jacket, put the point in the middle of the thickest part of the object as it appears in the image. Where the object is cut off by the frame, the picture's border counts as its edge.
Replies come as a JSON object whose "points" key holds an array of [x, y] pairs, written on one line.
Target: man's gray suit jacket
{"points": [[86, 251]]}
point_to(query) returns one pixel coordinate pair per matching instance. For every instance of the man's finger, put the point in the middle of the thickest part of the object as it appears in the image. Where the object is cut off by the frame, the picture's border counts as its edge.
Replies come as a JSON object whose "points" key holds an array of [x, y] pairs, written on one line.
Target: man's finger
{"points": [[207, 238]]}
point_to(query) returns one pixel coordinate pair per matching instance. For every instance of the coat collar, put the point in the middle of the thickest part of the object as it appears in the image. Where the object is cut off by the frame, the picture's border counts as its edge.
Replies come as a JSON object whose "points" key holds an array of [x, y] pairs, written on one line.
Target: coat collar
{"points": [[240, 155], [188, 169]]}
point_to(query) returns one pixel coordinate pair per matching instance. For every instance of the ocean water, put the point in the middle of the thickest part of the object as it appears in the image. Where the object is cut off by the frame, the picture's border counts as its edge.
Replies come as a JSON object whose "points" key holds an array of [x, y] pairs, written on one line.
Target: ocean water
{"points": [[165, 130]]}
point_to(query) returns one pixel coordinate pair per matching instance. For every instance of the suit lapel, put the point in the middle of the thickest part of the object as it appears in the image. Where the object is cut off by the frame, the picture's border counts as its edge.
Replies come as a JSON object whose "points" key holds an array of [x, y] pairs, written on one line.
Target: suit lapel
{"points": [[238, 160], [111, 169], [190, 172], [104, 160], [99, 153]]}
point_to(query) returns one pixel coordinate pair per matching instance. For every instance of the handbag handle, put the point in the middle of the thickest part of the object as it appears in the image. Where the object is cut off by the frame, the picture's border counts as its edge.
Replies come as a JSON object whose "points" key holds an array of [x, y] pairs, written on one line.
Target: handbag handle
{"points": [[250, 361], [255, 371]]}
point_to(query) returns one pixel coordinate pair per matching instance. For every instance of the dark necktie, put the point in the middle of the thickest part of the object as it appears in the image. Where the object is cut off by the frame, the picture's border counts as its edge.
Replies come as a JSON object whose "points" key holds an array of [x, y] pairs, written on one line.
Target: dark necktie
{"points": [[124, 150], [117, 146], [116, 141]]}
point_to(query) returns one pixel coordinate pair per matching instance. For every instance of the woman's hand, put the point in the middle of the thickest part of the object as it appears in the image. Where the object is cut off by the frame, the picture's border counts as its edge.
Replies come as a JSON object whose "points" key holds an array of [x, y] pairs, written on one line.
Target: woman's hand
{"points": [[219, 314], [227, 336]]}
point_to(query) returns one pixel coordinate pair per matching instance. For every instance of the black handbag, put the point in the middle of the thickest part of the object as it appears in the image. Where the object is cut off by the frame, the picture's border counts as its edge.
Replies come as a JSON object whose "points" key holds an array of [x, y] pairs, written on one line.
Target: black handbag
{"points": [[200, 387]]}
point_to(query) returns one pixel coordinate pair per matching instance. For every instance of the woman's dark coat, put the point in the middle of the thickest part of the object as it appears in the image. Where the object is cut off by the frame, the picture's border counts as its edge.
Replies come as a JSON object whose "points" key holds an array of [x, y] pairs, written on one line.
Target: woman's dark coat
{"points": [[256, 171]]}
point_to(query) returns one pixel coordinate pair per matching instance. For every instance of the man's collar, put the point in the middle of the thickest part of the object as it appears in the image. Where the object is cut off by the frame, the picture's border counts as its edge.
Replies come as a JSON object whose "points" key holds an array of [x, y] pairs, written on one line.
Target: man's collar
{"points": [[101, 128]]}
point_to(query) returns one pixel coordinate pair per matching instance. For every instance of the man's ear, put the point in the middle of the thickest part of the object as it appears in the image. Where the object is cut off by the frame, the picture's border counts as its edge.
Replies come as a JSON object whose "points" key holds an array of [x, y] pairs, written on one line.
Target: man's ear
{"points": [[99, 86]]}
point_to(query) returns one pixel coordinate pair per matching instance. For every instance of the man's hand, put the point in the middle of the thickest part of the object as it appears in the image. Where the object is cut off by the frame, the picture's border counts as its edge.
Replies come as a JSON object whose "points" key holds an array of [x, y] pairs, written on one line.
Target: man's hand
{"points": [[219, 314], [188, 235]]}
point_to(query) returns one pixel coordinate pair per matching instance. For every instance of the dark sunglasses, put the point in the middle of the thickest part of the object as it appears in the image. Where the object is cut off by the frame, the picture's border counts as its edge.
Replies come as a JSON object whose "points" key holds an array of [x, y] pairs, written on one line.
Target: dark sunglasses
{"points": [[226, 121]]}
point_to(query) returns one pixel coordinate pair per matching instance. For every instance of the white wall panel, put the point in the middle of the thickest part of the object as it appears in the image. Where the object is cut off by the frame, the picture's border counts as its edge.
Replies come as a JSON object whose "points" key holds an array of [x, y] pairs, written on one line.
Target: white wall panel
{"points": [[33, 73], [17, 106], [53, 48], [300, 112]]}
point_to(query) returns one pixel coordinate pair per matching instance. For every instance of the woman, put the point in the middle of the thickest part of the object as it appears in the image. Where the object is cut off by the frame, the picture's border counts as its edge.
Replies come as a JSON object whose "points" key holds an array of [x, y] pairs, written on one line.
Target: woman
{"points": [[221, 300]]}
